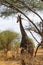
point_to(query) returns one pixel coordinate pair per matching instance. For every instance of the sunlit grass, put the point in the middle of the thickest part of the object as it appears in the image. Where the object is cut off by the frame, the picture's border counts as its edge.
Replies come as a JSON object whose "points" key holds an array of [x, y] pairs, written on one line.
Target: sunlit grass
{"points": [[14, 58]]}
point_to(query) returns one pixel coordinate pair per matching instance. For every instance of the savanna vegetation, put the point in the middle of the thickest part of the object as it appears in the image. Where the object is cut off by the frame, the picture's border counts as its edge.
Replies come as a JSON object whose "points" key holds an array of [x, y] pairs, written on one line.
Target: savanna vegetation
{"points": [[10, 50], [10, 41]]}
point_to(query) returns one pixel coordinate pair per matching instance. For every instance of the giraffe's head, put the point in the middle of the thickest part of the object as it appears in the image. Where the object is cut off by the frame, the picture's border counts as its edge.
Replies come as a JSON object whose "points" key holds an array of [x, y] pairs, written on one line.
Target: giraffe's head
{"points": [[19, 18]]}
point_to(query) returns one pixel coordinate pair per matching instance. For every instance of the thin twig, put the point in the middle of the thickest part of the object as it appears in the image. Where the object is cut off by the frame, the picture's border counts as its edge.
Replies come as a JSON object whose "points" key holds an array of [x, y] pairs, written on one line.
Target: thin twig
{"points": [[34, 37]]}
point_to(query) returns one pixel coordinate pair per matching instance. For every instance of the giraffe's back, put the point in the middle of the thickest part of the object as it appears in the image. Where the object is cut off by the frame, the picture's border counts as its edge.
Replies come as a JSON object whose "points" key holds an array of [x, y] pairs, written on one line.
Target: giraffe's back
{"points": [[27, 44]]}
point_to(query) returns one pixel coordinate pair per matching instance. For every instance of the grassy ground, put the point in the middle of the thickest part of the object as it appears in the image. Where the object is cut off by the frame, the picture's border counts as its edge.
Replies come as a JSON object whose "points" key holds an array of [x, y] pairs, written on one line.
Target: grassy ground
{"points": [[16, 59]]}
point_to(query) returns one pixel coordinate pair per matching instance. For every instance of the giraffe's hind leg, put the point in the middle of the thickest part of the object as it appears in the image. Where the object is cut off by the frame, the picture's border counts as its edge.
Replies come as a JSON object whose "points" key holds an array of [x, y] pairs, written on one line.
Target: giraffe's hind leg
{"points": [[22, 50]]}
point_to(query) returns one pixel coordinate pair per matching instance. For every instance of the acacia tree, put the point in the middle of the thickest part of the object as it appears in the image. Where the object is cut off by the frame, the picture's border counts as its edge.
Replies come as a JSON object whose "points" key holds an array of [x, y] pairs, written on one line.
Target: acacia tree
{"points": [[6, 37]]}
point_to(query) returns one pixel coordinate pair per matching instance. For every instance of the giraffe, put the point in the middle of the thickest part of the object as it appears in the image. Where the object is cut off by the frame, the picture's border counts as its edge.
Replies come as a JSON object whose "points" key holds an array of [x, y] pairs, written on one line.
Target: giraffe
{"points": [[40, 44], [25, 42]]}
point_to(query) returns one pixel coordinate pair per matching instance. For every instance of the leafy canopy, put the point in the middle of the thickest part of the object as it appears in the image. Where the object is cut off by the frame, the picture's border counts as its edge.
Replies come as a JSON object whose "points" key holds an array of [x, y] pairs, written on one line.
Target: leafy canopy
{"points": [[6, 37]]}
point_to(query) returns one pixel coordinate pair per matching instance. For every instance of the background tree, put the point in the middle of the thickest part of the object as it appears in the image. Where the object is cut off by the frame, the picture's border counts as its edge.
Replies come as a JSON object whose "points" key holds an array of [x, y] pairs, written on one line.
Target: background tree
{"points": [[6, 37]]}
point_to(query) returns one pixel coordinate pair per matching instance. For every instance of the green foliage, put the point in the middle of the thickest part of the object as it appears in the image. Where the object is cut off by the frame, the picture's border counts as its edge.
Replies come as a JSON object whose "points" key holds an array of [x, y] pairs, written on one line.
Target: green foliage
{"points": [[17, 44], [32, 41], [6, 37], [33, 4]]}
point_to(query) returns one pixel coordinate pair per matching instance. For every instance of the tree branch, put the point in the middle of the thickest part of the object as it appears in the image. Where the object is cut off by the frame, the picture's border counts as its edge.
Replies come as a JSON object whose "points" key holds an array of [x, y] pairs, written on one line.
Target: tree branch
{"points": [[31, 9], [34, 37], [31, 29], [14, 7]]}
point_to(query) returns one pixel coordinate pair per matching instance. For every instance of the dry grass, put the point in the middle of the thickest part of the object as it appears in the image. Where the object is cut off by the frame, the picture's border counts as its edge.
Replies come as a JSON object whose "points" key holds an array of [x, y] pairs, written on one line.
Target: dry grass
{"points": [[14, 58]]}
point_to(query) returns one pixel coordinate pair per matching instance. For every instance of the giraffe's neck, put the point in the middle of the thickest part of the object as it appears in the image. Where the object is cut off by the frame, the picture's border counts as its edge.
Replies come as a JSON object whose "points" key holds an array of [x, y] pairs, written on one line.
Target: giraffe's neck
{"points": [[22, 30]]}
